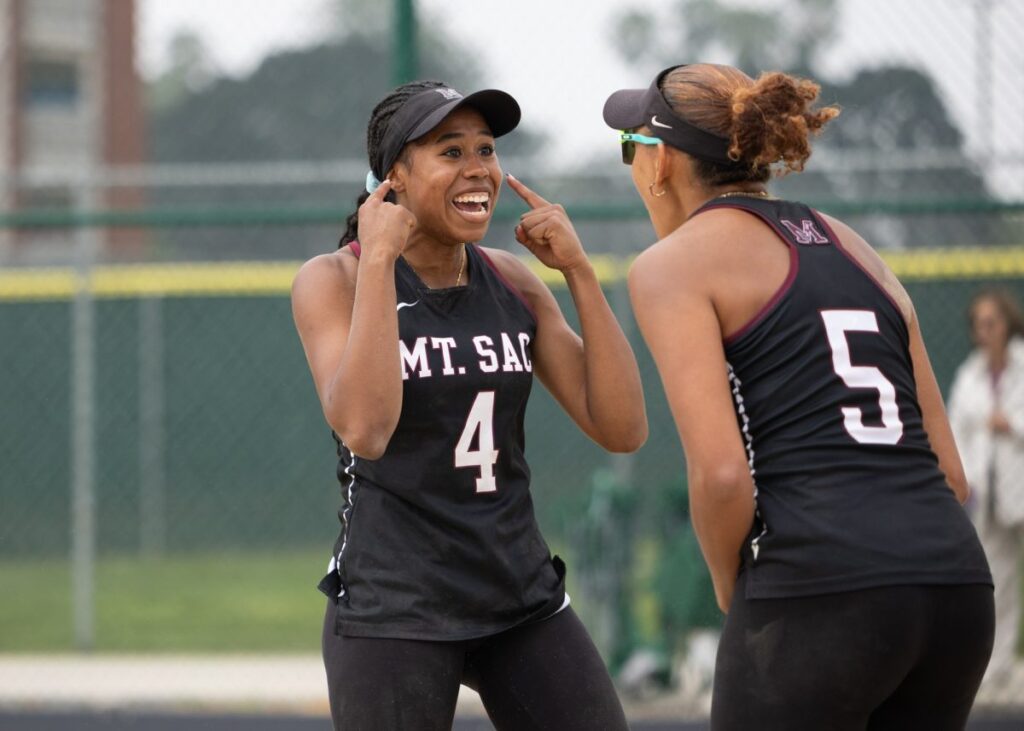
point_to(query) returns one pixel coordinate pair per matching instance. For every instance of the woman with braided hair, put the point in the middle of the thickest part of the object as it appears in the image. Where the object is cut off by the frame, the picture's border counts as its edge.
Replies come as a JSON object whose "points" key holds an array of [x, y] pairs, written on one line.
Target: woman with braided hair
{"points": [[825, 486], [422, 347]]}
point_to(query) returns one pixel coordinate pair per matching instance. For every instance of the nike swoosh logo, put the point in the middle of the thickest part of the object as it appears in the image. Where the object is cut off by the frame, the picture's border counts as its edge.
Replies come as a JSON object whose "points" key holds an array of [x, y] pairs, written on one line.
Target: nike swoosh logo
{"points": [[656, 123], [406, 304]]}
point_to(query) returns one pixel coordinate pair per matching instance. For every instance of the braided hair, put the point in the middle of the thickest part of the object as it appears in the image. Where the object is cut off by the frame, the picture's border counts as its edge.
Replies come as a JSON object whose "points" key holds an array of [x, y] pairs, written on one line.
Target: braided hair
{"points": [[375, 130]]}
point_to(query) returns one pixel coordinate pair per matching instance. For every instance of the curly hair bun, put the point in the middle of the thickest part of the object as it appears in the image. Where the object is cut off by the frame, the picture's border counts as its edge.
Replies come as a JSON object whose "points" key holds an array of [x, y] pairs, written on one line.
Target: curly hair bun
{"points": [[768, 122], [773, 120]]}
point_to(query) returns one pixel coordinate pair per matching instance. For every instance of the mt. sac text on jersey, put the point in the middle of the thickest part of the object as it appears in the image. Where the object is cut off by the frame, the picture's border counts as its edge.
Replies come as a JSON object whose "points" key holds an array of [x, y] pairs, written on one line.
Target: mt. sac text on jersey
{"points": [[428, 356]]}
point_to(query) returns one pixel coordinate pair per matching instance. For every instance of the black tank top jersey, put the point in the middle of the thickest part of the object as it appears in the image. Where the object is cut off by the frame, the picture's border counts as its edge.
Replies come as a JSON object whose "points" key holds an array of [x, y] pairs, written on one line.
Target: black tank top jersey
{"points": [[849, 492], [438, 538]]}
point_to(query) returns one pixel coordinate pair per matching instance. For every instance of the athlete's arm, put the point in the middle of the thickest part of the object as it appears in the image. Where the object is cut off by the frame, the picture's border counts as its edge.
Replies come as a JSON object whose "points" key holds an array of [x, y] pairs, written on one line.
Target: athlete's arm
{"points": [[594, 377], [933, 412], [348, 325], [933, 415], [682, 330]]}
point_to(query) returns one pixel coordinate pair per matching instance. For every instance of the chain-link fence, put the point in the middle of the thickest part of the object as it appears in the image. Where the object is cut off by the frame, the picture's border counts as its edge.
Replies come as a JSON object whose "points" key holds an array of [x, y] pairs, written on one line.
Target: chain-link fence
{"points": [[208, 449], [165, 459]]}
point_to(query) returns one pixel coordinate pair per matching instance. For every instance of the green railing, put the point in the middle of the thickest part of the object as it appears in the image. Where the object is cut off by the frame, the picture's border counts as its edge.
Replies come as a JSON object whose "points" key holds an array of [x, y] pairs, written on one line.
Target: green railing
{"points": [[312, 215]]}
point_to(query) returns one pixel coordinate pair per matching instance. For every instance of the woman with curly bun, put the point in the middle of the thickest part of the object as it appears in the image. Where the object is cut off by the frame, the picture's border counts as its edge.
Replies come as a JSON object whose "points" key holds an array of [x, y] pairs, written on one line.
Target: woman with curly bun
{"points": [[825, 485]]}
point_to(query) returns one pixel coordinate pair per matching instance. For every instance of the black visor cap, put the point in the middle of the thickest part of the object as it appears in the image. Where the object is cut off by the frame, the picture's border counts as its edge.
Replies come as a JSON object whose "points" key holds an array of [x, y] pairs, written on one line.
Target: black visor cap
{"points": [[632, 108], [625, 109], [426, 110]]}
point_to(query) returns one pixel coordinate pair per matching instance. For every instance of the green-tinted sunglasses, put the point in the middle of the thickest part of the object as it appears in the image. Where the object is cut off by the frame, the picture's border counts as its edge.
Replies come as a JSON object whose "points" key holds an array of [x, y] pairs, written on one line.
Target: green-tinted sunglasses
{"points": [[629, 142]]}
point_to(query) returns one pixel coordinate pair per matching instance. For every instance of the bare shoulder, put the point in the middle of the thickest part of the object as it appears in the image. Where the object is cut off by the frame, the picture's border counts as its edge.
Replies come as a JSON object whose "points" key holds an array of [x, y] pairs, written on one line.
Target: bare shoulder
{"points": [[679, 261], [649, 266], [865, 255], [324, 287], [327, 274]]}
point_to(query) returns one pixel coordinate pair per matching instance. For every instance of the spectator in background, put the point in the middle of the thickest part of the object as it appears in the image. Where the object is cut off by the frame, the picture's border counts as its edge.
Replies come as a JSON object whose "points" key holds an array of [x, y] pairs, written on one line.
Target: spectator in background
{"points": [[986, 409]]}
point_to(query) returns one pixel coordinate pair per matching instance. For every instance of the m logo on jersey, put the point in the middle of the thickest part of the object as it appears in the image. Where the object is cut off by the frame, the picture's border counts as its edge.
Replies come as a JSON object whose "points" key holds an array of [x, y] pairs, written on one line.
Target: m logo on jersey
{"points": [[806, 233]]}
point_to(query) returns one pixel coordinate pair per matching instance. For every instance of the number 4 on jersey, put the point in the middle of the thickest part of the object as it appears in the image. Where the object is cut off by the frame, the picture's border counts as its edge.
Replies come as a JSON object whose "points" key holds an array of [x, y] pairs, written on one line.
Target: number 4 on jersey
{"points": [[485, 456], [837, 324]]}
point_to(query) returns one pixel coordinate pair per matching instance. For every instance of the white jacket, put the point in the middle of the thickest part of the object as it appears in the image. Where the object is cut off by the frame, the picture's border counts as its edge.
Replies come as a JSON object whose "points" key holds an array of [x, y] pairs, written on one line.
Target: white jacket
{"points": [[971, 403]]}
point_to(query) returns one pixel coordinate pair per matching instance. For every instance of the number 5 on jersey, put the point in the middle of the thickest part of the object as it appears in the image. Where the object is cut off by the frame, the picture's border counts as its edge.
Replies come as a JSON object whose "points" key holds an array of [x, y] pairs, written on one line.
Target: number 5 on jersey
{"points": [[479, 422], [837, 324]]}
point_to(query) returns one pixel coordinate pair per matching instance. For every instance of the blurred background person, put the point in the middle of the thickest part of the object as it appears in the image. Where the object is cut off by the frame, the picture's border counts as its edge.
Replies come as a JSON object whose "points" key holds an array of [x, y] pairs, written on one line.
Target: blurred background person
{"points": [[986, 408]]}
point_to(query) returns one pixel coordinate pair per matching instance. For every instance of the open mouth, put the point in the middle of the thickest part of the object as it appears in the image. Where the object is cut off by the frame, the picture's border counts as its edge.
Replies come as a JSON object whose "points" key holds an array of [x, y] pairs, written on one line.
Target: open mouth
{"points": [[474, 206]]}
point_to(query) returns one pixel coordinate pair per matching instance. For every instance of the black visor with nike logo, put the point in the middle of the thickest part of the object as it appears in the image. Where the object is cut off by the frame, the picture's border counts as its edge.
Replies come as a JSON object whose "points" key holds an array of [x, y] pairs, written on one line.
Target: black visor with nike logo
{"points": [[424, 111], [628, 109]]}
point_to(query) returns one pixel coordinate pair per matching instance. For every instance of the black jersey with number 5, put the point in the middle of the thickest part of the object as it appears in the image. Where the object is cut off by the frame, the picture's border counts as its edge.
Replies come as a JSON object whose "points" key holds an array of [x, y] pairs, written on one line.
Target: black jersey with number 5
{"points": [[849, 492], [438, 538]]}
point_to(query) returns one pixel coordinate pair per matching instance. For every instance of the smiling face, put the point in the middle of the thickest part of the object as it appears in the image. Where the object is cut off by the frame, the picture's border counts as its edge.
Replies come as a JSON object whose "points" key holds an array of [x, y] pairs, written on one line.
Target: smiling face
{"points": [[450, 178]]}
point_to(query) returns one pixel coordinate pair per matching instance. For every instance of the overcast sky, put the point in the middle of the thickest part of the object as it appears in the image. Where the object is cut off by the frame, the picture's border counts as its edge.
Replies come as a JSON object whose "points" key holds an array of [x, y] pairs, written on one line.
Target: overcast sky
{"points": [[557, 58]]}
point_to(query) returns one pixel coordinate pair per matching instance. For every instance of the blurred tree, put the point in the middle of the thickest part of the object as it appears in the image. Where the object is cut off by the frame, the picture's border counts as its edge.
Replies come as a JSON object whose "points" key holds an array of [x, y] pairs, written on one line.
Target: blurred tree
{"points": [[306, 104], [189, 69], [751, 38], [634, 35], [310, 103], [894, 141], [358, 17]]}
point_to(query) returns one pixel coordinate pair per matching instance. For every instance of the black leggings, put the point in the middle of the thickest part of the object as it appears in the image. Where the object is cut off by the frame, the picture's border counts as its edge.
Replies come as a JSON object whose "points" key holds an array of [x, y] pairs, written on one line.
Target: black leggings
{"points": [[897, 657], [545, 675]]}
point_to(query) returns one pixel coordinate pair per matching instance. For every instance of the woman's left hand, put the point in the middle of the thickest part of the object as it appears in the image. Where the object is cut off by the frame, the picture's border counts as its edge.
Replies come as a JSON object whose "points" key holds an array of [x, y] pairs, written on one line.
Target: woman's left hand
{"points": [[547, 231]]}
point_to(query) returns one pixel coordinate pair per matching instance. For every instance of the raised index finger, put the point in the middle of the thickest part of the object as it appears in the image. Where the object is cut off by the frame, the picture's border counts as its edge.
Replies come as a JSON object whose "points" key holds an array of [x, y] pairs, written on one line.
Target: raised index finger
{"points": [[382, 190], [532, 199]]}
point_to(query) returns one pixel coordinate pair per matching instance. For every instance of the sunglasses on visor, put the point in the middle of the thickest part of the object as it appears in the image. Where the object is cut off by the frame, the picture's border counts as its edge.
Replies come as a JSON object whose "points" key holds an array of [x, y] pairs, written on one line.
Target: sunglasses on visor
{"points": [[629, 142]]}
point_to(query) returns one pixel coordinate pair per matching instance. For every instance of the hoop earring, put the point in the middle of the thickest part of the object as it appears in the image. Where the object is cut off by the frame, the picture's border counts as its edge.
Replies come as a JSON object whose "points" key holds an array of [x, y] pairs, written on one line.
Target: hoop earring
{"points": [[656, 195]]}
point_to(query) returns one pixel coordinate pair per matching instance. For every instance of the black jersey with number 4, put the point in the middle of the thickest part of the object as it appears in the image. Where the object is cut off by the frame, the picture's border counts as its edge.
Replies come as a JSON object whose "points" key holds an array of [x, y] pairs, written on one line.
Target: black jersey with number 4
{"points": [[849, 491], [438, 538]]}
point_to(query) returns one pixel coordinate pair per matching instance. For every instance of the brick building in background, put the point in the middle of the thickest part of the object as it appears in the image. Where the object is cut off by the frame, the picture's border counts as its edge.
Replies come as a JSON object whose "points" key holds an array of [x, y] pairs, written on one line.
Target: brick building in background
{"points": [[70, 105]]}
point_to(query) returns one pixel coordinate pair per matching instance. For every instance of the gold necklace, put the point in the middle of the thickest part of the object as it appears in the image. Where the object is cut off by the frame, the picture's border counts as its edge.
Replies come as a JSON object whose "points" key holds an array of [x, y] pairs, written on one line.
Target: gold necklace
{"points": [[462, 268], [744, 193]]}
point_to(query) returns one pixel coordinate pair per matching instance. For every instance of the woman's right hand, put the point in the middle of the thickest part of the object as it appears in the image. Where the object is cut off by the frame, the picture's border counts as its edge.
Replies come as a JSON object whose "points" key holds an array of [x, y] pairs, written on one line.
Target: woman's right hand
{"points": [[384, 227]]}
